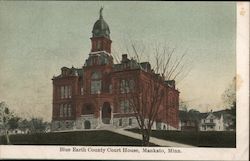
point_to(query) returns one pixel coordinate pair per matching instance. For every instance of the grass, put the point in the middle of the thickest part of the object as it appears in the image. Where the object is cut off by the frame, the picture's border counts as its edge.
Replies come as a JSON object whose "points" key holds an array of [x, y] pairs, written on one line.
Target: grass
{"points": [[226, 139], [85, 138]]}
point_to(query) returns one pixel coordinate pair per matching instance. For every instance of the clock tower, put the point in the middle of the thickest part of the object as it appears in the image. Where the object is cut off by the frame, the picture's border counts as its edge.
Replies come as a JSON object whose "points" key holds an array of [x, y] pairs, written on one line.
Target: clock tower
{"points": [[100, 36]]}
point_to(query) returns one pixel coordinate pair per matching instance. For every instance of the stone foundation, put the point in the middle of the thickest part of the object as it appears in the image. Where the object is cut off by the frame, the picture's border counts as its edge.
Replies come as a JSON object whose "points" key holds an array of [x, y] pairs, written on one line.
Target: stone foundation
{"points": [[62, 125], [91, 122], [87, 122], [125, 122]]}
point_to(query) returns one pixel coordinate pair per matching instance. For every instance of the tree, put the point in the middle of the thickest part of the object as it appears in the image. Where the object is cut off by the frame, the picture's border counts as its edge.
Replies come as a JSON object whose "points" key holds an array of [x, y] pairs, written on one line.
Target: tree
{"points": [[5, 119], [195, 116], [229, 95], [13, 122], [229, 98], [24, 125], [147, 99], [37, 125]]}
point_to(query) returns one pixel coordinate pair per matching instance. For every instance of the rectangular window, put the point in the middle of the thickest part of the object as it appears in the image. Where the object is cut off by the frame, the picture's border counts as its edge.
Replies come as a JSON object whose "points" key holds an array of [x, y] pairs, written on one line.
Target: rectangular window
{"points": [[125, 86], [66, 91], [110, 88], [120, 122], [132, 85], [61, 110], [124, 105], [65, 110], [69, 110], [62, 92], [122, 86], [129, 121], [96, 86], [70, 92], [81, 90], [98, 45], [211, 120]]}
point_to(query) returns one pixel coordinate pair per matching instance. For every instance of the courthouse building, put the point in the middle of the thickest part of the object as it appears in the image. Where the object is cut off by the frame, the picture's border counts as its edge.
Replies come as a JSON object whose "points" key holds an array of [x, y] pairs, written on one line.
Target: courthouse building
{"points": [[93, 96]]}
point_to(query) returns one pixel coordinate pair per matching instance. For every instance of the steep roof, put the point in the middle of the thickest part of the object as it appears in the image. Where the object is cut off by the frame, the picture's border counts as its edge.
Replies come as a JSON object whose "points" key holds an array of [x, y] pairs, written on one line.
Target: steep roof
{"points": [[100, 27], [216, 113]]}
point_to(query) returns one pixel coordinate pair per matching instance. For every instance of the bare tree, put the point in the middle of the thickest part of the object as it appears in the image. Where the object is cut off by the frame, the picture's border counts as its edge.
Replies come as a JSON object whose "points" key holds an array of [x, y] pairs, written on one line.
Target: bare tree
{"points": [[229, 98], [146, 100], [229, 95], [5, 116]]}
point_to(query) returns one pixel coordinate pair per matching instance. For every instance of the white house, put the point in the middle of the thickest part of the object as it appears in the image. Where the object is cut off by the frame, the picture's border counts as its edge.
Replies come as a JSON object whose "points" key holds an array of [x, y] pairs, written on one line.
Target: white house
{"points": [[216, 121]]}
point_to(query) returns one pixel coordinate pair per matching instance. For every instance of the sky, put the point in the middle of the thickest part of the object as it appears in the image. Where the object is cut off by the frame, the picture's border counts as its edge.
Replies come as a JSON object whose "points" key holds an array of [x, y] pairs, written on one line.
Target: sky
{"points": [[38, 38]]}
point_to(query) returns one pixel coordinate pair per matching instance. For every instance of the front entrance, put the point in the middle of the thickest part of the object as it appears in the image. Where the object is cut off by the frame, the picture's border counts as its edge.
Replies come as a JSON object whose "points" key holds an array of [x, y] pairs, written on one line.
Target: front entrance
{"points": [[87, 124], [106, 113]]}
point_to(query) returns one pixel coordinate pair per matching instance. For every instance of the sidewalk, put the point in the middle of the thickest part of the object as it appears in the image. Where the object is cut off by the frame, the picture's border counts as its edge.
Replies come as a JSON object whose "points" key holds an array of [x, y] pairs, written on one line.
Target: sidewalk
{"points": [[153, 140]]}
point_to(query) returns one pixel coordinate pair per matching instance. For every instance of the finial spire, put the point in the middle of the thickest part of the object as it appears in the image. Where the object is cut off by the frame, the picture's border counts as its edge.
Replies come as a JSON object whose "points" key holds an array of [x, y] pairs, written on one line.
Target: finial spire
{"points": [[100, 12]]}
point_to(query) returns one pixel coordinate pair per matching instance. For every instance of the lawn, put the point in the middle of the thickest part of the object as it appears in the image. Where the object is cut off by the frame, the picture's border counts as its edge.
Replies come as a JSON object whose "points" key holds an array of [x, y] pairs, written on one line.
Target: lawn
{"points": [[87, 138], [225, 139]]}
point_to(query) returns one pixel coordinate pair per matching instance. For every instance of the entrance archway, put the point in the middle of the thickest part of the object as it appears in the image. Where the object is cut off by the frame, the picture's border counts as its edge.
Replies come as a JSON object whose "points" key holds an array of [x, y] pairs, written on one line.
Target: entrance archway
{"points": [[87, 124], [106, 113]]}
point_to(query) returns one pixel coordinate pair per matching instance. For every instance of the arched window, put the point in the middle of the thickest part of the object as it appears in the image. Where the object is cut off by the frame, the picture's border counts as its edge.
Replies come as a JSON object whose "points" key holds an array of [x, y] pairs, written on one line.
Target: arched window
{"points": [[96, 83], [98, 45]]}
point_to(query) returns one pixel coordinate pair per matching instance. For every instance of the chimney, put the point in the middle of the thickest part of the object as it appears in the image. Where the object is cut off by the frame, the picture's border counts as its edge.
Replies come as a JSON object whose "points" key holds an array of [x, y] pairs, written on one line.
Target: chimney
{"points": [[124, 57], [171, 83]]}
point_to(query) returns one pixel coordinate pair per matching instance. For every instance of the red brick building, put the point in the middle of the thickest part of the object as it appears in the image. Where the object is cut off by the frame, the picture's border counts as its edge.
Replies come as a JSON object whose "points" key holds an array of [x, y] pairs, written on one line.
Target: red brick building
{"points": [[93, 96]]}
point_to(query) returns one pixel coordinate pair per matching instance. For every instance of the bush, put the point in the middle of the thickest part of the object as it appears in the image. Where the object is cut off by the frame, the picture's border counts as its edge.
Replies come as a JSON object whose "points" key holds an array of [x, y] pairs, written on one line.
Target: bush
{"points": [[200, 139], [87, 138]]}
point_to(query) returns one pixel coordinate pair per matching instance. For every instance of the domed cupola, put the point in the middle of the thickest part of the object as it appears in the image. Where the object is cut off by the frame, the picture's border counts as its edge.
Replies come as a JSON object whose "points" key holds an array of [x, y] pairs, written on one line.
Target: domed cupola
{"points": [[101, 28], [101, 36]]}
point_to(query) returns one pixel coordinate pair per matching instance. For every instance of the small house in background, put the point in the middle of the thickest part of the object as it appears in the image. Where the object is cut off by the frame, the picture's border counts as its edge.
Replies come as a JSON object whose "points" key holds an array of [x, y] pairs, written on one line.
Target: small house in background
{"points": [[217, 121], [188, 122]]}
